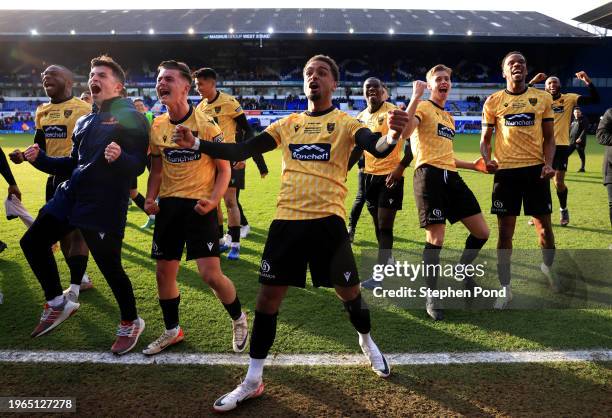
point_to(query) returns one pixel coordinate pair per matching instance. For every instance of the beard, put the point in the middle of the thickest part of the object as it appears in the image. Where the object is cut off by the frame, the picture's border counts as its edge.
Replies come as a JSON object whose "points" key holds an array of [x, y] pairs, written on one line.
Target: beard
{"points": [[313, 97]]}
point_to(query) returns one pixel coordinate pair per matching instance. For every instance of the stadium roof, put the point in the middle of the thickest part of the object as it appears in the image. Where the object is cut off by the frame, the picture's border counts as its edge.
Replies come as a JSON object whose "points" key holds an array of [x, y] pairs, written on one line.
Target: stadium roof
{"points": [[601, 16], [242, 23]]}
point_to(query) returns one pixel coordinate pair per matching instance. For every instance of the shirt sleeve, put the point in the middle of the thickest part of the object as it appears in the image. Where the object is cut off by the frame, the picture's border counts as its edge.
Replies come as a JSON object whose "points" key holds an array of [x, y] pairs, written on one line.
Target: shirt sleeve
{"points": [[548, 114], [275, 130], [213, 133], [353, 126], [488, 113], [37, 119], [235, 109], [420, 112], [153, 148]]}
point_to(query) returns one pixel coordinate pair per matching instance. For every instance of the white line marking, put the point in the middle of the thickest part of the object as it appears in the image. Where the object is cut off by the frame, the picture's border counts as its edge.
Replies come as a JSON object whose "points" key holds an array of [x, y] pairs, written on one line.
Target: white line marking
{"points": [[17, 356]]}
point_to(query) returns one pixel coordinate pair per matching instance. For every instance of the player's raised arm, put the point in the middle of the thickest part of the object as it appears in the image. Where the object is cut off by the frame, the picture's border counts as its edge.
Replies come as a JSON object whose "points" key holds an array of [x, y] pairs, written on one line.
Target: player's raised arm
{"points": [[381, 146], [593, 97]]}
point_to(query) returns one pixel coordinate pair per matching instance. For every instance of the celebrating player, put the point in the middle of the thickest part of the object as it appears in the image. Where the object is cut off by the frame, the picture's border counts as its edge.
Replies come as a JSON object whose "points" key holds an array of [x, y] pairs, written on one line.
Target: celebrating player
{"points": [[384, 193], [55, 122], [563, 106], [109, 148], [523, 120], [309, 228], [189, 186], [227, 112], [440, 193]]}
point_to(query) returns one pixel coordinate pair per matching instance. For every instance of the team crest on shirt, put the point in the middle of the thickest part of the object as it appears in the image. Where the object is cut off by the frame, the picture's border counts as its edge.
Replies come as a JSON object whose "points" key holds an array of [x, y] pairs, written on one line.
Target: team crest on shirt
{"points": [[217, 109], [296, 127], [533, 101], [165, 138], [330, 127], [67, 113], [505, 104], [381, 120]]}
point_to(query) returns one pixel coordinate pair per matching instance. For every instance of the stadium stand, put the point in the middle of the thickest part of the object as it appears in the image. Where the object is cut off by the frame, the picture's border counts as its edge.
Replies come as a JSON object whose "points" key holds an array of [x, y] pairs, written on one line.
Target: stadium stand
{"points": [[259, 53]]}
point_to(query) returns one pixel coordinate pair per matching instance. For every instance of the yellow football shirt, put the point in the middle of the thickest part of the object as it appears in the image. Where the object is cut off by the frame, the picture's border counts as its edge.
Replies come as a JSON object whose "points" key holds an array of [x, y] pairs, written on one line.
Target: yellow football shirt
{"points": [[57, 121], [316, 149], [563, 108], [432, 140], [377, 122], [224, 109], [185, 173], [517, 119]]}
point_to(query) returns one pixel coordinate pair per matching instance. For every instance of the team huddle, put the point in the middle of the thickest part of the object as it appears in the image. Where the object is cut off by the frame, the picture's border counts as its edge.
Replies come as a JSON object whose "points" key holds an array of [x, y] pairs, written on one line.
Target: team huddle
{"points": [[93, 153]]}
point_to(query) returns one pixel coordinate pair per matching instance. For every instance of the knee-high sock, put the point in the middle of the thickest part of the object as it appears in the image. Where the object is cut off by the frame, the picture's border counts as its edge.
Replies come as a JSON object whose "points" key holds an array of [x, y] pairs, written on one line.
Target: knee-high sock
{"points": [[431, 259], [359, 314], [263, 334]]}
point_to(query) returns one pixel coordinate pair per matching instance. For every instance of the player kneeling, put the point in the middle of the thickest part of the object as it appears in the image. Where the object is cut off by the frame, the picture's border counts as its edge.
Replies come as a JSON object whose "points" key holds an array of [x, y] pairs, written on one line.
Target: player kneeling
{"points": [[189, 186]]}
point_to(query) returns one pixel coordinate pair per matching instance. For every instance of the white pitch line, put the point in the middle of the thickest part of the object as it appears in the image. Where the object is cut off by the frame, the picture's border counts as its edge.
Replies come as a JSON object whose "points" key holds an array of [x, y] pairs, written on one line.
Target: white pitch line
{"points": [[76, 357]]}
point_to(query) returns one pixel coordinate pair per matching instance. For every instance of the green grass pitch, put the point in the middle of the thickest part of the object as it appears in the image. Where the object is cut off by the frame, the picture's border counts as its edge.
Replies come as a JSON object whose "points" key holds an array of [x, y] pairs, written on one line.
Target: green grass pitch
{"points": [[311, 320]]}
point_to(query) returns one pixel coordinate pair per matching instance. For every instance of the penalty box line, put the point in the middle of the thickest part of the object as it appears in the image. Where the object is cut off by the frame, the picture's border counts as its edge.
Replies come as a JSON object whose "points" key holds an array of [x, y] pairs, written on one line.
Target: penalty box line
{"points": [[396, 359]]}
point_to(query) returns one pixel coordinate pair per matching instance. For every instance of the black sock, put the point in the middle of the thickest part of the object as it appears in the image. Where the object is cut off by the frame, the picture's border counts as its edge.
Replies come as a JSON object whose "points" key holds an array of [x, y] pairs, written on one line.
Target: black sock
{"points": [[385, 244], [548, 256], [472, 248], [359, 314], [234, 309], [234, 232], [170, 311], [503, 273], [220, 231], [562, 198], [262, 334], [140, 201], [77, 264], [431, 259]]}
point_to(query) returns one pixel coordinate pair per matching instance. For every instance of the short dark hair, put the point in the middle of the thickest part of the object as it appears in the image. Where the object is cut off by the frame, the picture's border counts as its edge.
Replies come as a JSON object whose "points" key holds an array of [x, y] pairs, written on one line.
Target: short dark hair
{"points": [[206, 73], [511, 53], [181, 67], [107, 61], [329, 61]]}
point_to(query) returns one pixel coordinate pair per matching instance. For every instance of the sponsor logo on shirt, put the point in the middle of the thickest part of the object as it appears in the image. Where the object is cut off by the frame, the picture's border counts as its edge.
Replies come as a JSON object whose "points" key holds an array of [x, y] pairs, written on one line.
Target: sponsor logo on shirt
{"points": [[55, 131], [310, 152], [445, 132], [520, 119], [177, 156], [558, 109]]}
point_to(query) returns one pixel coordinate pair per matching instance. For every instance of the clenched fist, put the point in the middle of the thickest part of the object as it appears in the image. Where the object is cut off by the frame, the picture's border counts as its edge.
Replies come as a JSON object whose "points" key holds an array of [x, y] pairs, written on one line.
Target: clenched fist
{"points": [[183, 137], [112, 152]]}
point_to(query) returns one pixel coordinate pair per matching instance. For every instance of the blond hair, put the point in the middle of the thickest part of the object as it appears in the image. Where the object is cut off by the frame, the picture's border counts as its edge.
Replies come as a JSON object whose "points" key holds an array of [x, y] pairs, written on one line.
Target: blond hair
{"points": [[436, 68]]}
